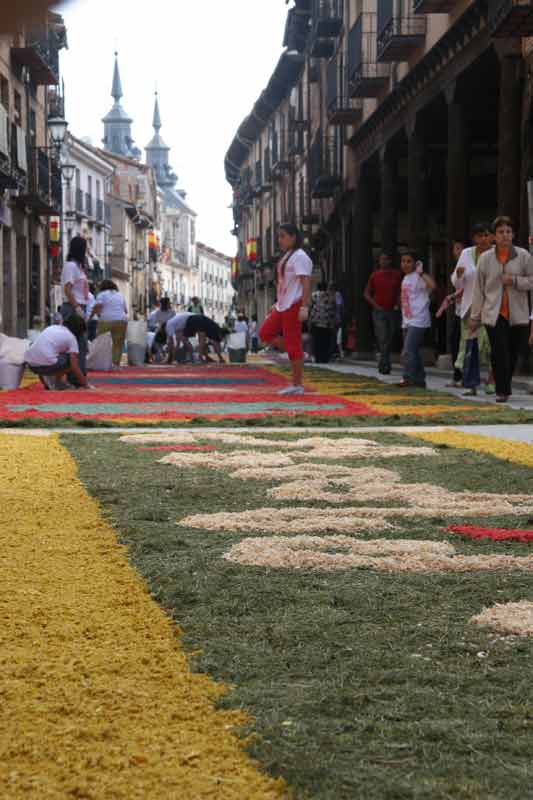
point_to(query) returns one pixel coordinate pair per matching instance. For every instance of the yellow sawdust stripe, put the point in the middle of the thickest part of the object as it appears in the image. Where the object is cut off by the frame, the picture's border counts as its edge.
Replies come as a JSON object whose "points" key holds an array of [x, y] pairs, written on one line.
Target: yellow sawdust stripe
{"points": [[96, 698], [515, 452]]}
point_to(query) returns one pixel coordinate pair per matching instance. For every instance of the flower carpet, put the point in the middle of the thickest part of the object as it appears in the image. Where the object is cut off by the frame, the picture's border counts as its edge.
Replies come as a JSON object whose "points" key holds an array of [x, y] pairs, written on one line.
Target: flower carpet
{"points": [[248, 394], [324, 604]]}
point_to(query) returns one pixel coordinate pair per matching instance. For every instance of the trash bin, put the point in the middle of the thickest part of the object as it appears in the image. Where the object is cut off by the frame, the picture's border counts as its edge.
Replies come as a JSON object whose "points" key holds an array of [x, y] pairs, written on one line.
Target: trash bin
{"points": [[237, 348], [136, 339]]}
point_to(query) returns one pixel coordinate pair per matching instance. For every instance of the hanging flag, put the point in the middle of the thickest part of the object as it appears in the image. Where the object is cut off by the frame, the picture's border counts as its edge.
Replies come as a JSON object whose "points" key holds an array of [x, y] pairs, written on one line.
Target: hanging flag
{"points": [[251, 250]]}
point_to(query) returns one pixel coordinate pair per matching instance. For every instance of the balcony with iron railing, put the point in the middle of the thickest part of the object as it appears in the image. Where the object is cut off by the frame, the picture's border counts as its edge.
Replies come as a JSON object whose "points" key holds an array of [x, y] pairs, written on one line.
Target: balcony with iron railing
{"points": [[42, 191], [398, 35], [433, 6], [40, 54], [279, 148], [366, 77], [325, 166], [341, 108], [510, 18]]}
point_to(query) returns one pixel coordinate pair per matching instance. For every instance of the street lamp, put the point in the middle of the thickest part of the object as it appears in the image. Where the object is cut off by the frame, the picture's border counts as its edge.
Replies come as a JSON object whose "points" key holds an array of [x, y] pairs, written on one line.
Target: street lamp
{"points": [[58, 130]]}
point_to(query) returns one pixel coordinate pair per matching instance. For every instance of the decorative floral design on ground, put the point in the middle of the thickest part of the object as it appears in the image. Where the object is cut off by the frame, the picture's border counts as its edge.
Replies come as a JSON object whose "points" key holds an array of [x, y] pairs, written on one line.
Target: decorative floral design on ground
{"points": [[98, 699], [514, 619], [397, 555]]}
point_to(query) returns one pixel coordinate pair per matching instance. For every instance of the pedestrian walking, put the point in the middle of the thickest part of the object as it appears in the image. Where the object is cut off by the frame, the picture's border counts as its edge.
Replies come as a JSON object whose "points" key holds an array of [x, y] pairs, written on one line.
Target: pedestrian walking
{"points": [[195, 306], [504, 278], [455, 335], [323, 322], [474, 346], [76, 296], [382, 293], [111, 308], [417, 287], [337, 334], [254, 334], [283, 326]]}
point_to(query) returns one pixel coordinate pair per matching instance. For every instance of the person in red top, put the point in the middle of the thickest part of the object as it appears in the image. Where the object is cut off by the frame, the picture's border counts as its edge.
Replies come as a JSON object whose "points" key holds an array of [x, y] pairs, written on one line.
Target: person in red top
{"points": [[383, 294]]}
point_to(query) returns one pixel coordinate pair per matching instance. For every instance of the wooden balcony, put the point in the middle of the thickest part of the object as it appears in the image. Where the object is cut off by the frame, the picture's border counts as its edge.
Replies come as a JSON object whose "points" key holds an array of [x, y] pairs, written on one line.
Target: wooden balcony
{"points": [[40, 54], [366, 78], [327, 18], [400, 37], [511, 18], [433, 6]]}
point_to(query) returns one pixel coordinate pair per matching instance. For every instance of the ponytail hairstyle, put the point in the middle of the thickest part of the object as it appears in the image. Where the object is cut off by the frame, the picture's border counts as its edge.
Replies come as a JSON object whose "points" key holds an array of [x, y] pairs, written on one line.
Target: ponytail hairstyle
{"points": [[292, 230]]}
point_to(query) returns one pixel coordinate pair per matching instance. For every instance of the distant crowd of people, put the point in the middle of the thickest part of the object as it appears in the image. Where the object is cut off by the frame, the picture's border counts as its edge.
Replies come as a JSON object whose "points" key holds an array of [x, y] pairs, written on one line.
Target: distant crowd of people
{"points": [[492, 281]]}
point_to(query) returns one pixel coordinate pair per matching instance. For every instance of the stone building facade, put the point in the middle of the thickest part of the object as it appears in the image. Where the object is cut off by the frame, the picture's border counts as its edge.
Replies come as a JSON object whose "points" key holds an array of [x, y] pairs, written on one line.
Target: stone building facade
{"points": [[386, 124], [216, 291], [30, 179]]}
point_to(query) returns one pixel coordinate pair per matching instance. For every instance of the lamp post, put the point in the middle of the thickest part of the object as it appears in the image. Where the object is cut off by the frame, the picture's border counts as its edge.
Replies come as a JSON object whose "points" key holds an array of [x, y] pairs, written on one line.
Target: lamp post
{"points": [[57, 128]]}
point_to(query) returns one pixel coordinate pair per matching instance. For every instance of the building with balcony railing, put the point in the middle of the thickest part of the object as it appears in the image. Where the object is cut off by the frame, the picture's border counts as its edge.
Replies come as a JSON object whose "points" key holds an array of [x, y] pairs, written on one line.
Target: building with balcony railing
{"points": [[405, 120], [30, 181], [216, 292]]}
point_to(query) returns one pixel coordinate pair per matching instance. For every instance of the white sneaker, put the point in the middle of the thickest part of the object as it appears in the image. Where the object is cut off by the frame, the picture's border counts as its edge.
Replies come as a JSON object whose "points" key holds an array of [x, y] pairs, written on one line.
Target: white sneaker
{"points": [[292, 390]]}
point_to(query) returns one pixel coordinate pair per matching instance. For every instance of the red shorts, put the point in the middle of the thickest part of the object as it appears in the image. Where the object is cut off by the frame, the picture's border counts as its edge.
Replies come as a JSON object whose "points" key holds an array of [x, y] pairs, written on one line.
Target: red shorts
{"points": [[287, 325]]}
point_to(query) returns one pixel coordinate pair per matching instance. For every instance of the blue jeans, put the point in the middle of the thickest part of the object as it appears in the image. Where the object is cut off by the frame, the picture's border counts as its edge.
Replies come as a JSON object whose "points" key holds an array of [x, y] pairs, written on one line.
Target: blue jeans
{"points": [[67, 311], [471, 370], [385, 327], [58, 368], [414, 371]]}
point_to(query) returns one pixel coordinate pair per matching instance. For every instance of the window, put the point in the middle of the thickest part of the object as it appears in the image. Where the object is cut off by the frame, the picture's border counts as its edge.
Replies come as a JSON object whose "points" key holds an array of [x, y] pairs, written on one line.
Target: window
{"points": [[78, 178], [4, 92], [18, 107], [98, 190], [89, 184]]}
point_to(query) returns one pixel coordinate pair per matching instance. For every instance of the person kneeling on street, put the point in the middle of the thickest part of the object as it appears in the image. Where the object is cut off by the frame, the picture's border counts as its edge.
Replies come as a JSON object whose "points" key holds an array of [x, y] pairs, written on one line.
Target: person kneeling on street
{"points": [[55, 354]]}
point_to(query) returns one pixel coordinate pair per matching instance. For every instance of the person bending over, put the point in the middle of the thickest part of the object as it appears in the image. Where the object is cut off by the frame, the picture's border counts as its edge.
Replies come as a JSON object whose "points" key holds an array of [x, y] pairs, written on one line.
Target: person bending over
{"points": [[283, 326], [55, 354], [207, 331]]}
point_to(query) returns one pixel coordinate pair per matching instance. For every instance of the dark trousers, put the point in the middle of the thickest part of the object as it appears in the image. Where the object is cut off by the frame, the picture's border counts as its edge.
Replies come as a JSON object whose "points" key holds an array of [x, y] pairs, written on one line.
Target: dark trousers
{"points": [[321, 343], [506, 344], [455, 343], [386, 325], [472, 372]]}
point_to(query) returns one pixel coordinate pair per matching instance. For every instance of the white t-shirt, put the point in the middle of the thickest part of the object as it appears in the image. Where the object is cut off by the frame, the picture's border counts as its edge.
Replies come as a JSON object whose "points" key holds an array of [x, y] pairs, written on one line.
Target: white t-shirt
{"points": [[159, 317], [91, 302], [78, 278], [415, 302], [113, 306], [49, 345], [241, 326], [177, 323], [290, 289], [466, 283]]}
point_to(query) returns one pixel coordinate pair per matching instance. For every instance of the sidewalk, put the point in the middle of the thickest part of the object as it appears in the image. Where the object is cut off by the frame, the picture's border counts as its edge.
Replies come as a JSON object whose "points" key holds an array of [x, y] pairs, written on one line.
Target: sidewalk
{"points": [[436, 381]]}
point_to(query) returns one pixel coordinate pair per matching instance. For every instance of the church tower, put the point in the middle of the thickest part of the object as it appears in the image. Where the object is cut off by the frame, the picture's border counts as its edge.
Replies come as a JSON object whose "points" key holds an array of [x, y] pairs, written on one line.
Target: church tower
{"points": [[157, 154], [117, 124]]}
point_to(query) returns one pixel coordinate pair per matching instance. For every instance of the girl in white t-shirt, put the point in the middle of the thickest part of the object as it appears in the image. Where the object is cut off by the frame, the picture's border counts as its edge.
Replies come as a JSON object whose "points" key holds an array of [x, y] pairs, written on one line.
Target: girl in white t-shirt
{"points": [[417, 287], [283, 326]]}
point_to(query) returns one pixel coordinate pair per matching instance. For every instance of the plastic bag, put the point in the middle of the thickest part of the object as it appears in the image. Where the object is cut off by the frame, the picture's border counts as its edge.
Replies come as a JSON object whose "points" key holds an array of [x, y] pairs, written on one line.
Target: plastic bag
{"points": [[100, 356], [12, 351], [237, 341]]}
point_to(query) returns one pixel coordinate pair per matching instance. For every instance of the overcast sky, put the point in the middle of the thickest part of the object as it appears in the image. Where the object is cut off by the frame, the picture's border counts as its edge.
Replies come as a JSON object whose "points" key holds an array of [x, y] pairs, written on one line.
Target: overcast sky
{"points": [[210, 60]]}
